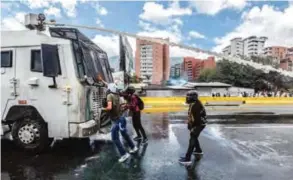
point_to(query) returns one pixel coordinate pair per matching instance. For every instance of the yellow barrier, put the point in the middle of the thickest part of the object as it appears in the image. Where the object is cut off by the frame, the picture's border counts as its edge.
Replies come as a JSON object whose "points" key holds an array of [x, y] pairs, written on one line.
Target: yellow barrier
{"points": [[179, 101]]}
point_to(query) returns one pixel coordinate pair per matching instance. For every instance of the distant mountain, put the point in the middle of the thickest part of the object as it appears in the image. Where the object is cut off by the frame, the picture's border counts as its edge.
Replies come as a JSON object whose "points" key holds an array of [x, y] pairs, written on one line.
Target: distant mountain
{"points": [[175, 60]]}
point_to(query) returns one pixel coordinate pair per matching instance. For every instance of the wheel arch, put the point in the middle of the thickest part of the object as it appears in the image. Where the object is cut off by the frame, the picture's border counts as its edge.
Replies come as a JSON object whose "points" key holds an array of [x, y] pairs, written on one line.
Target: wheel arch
{"points": [[17, 113]]}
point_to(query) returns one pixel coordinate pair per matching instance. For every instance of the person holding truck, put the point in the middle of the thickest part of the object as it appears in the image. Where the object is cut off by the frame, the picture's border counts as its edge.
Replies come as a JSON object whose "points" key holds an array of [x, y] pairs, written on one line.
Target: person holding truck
{"points": [[196, 123], [113, 106]]}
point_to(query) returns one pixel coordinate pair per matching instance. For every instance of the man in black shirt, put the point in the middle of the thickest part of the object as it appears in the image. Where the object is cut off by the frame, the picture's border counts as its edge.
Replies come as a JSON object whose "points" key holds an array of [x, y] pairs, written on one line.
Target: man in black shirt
{"points": [[196, 123]]}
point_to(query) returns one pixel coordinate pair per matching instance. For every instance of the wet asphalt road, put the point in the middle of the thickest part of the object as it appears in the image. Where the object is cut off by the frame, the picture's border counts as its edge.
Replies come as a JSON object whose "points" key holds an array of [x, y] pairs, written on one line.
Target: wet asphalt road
{"points": [[234, 151]]}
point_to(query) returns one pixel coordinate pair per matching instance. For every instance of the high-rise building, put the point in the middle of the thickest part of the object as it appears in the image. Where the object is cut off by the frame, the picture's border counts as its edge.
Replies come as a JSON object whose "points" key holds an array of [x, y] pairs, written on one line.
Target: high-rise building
{"points": [[253, 46], [236, 46], [277, 52], [286, 64], [175, 71], [192, 67], [227, 50], [289, 54], [152, 62], [250, 46]]}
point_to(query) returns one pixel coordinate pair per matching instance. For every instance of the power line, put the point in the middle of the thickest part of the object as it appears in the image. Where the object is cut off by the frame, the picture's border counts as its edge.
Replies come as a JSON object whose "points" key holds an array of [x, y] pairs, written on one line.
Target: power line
{"points": [[164, 41]]}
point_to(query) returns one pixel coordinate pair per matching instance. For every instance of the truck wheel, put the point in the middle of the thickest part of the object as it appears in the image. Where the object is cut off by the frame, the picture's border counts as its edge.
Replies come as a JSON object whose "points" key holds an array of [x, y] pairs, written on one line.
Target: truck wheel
{"points": [[30, 135]]}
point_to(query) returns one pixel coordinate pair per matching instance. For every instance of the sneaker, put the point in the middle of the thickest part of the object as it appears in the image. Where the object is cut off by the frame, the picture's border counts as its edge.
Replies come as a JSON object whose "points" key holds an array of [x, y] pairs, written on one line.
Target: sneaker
{"points": [[198, 153], [134, 150], [124, 157], [137, 138], [184, 161], [144, 141]]}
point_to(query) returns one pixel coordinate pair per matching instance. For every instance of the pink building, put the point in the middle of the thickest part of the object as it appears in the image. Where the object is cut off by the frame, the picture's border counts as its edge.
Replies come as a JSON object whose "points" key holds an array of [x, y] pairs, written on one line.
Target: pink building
{"points": [[192, 67], [152, 61]]}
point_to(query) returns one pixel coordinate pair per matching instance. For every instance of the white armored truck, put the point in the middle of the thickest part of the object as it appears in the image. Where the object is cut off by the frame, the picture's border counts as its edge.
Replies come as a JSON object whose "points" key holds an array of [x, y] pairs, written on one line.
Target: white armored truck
{"points": [[48, 84]]}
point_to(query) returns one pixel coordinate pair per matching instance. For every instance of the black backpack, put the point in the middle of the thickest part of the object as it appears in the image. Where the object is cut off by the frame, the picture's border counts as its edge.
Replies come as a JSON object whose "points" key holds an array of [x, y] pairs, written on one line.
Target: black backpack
{"points": [[140, 102]]}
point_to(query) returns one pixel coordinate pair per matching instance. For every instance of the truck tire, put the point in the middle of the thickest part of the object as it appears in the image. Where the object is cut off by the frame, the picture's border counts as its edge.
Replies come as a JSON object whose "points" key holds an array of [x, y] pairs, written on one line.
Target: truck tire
{"points": [[30, 135]]}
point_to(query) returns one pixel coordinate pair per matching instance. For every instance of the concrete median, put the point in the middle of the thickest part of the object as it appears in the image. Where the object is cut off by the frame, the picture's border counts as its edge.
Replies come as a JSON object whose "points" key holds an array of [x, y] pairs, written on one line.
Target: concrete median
{"points": [[223, 101]]}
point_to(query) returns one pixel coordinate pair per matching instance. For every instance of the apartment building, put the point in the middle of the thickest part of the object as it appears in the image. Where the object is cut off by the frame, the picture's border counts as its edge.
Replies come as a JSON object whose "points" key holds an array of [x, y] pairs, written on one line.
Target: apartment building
{"points": [[236, 46], [286, 64], [175, 71], [192, 67], [152, 61], [250, 46], [227, 50], [277, 52], [253, 46]]}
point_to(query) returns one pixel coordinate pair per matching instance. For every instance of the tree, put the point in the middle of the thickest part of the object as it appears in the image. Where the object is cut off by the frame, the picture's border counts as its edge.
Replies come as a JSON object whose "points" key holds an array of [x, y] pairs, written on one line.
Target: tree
{"points": [[247, 76], [207, 75], [135, 79]]}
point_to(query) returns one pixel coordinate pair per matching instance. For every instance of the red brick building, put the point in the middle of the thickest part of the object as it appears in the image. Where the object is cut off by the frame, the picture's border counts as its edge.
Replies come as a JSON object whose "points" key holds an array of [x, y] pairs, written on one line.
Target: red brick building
{"points": [[152, 62], [192, 67]]}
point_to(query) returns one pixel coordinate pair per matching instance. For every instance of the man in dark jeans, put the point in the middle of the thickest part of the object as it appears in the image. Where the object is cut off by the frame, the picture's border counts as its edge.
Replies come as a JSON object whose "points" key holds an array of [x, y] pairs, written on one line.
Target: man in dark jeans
{"points": [[118, 122], [196, 123], [136, 115]]}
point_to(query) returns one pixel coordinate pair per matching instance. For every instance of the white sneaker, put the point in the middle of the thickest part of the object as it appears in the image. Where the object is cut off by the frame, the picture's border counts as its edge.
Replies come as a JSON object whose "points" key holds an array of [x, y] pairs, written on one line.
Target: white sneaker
{"points": [[124, 157], [134, 150]]}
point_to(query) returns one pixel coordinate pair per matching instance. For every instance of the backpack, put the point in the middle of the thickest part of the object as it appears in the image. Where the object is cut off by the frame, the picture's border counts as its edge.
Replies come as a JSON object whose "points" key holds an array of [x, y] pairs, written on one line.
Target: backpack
{"points": [[140, 102]]}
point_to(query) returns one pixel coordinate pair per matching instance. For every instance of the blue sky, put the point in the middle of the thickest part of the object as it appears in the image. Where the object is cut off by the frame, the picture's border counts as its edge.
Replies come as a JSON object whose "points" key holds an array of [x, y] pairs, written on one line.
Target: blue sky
{"points": [[205, 24]]}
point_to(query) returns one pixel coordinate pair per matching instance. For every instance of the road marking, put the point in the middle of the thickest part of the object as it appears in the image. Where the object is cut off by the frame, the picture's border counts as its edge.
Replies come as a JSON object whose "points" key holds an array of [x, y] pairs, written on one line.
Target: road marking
{"points": [[260, 127]]}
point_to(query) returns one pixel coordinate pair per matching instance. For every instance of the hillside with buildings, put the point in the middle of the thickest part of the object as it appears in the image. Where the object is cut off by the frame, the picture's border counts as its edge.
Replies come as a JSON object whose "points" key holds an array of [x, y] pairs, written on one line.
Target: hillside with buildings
{"points": [[254, 49]]}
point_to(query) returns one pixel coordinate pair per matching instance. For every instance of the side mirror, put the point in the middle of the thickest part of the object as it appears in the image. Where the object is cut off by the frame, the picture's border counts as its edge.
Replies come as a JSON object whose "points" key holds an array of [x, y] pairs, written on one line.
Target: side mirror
{"points": [[50, 61]]}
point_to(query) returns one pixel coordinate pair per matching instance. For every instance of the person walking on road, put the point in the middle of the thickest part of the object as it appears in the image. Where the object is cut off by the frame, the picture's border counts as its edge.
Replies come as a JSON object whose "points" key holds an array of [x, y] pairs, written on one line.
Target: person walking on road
{"points": [[118, 122], [133, 105], [196, 123]]}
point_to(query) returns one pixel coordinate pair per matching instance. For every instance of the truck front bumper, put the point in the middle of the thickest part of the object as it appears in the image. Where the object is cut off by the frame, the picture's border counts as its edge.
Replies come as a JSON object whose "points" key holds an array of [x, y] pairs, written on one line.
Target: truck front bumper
{"points": [[85, 129]]}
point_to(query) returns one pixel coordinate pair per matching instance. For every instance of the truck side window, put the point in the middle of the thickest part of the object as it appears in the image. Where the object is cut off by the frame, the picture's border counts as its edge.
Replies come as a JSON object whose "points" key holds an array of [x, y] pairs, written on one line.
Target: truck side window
{"points": [[36, 61], [6, 59]]}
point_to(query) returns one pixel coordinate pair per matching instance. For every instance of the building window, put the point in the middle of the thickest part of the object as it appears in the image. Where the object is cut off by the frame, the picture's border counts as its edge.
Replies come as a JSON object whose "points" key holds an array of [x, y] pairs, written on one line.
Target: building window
{"points": [[6, 59], [36, 61]]}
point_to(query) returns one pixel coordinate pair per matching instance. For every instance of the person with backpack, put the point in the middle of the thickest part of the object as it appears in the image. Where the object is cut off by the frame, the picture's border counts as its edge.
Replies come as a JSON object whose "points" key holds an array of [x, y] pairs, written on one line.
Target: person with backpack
{"points": [[196, 123], [135, 105], [118, 122]]}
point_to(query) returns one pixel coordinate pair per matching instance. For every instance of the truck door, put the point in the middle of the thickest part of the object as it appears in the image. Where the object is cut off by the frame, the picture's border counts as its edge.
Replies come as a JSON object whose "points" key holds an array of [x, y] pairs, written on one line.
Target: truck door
{"points": [[8, 82], [45, 93]]}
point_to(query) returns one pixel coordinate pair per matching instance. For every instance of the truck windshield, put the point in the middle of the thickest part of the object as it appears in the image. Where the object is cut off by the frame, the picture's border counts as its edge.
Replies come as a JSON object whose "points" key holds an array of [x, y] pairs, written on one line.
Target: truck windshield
{"points": [[90, 59]]}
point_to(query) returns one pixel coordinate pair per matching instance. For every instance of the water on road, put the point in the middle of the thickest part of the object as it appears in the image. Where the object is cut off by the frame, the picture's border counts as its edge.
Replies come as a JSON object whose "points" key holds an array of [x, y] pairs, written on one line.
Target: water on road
{"points": [[234, 151]]}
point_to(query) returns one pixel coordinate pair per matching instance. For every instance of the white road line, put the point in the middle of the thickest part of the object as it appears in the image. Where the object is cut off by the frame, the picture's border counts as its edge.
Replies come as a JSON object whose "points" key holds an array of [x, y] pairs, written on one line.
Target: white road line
{"points": [[260, 127]]}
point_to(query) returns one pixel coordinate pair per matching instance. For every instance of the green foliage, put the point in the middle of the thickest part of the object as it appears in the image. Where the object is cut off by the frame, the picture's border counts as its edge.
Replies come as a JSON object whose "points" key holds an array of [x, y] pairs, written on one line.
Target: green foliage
{"points": [[207, 75], [245, 76], [135, 79]]}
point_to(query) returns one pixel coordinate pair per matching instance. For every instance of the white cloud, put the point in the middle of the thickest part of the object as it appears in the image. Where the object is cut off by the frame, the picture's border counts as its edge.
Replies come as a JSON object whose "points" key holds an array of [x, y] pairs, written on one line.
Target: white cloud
{"points": [[69, 6], [213, 7], [13, 23], [110, 44], [267, 21], [101, 10], [35, 4], [99, 22], [9, 5], [53, 11], [156, 13], [196, 35]]}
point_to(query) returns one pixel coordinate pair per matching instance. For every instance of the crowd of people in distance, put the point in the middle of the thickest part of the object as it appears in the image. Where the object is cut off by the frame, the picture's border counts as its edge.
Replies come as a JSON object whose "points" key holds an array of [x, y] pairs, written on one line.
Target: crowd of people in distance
{"points": [[256, 94]]}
